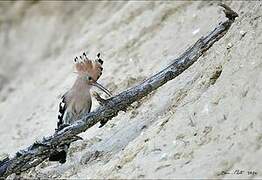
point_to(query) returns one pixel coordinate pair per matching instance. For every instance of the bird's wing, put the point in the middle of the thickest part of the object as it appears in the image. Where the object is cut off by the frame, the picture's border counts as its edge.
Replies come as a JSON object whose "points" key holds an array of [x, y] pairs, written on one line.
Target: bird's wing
{"points": [[62, 111]]}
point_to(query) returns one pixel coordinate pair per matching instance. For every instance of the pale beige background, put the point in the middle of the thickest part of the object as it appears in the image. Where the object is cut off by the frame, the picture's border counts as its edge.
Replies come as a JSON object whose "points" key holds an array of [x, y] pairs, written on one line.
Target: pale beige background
{"points": [[193, 126]]}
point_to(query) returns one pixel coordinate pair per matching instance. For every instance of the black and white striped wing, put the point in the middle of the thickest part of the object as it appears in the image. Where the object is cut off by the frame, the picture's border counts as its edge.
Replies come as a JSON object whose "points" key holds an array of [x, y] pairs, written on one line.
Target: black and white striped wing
{"points": [[61, 113]]}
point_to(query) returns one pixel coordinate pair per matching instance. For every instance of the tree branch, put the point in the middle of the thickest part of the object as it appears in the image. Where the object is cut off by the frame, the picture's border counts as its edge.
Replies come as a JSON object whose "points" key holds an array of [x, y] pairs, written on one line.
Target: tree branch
{"points": [[39, 151]]}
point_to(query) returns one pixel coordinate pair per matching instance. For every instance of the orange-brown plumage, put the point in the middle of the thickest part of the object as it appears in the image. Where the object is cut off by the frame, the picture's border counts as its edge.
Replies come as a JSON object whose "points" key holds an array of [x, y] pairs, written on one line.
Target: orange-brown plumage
{"points": [[90, 68]]}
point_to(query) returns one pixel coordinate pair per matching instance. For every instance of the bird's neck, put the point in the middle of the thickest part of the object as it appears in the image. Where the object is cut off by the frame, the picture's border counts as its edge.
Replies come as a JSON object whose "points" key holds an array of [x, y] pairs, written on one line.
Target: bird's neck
{"points": [[81, 84]]}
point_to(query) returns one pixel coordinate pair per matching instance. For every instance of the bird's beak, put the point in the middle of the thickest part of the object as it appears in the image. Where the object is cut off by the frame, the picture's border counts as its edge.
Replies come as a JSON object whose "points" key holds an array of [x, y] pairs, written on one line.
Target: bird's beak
{"points": [[96, 84]]}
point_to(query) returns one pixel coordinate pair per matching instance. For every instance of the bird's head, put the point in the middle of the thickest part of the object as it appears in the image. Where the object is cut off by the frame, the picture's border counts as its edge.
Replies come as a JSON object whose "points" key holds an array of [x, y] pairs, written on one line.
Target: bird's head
{"points": [[90, 70]]}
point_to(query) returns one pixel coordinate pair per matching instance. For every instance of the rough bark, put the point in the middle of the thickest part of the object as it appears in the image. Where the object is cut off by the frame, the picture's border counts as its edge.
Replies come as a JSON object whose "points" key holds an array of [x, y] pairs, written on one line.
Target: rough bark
{"points": [[39, 151]]}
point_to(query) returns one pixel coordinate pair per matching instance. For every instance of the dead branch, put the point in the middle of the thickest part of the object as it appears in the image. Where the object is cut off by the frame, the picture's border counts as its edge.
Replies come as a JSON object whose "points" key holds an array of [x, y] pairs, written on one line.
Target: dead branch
{"points": [[39, 151]]}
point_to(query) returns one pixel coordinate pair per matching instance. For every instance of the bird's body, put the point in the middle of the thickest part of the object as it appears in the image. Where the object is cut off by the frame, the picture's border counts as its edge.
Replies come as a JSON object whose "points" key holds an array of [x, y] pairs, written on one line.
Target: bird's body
{"points": [[77, 101]]}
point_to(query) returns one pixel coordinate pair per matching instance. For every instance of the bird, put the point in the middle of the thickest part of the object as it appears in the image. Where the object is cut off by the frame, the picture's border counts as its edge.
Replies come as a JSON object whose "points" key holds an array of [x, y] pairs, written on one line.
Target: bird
{"points": [[77, 101]]}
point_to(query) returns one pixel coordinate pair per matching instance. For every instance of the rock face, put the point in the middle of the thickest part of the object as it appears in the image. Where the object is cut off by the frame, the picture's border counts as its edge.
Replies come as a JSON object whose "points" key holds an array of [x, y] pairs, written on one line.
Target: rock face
{"points": [[205, 123]]}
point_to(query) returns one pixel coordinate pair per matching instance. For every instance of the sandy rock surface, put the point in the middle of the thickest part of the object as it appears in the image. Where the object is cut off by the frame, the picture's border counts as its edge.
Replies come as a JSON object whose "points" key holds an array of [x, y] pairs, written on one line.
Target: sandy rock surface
{"points": [[206, 121]]}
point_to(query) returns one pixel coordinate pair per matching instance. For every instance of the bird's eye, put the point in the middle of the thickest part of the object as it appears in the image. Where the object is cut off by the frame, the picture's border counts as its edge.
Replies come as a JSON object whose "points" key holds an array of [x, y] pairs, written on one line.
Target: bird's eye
{"points": [[89, 78]]}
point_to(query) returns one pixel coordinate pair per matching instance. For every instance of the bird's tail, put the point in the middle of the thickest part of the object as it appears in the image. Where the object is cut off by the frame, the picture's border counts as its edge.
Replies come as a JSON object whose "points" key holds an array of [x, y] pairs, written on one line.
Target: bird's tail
{"points": [[61, 152], [60, 155]]}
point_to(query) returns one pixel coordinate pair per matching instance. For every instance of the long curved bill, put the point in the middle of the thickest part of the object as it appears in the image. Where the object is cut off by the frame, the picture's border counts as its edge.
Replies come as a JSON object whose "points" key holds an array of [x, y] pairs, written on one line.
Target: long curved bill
{"points": [[96, 84]]}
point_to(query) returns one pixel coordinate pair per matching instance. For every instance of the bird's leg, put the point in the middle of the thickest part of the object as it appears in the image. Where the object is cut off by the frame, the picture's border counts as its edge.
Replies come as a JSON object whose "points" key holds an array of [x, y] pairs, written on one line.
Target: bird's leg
{"points": [[102, 102], [99, 99]]}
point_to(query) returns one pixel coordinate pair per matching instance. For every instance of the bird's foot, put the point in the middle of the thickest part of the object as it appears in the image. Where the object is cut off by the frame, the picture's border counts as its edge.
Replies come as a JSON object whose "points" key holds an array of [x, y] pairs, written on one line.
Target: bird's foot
{"points": [[99, 99]]}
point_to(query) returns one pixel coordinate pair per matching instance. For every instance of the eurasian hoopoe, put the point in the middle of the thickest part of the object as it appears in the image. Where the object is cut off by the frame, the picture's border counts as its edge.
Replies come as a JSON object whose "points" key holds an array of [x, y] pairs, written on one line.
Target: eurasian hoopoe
{"points": [[77, 101]]}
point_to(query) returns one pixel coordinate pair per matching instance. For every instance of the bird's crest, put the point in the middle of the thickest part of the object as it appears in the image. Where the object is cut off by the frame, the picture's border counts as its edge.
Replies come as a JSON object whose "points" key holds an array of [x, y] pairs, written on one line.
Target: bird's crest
{"points": [[92, 68]]}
